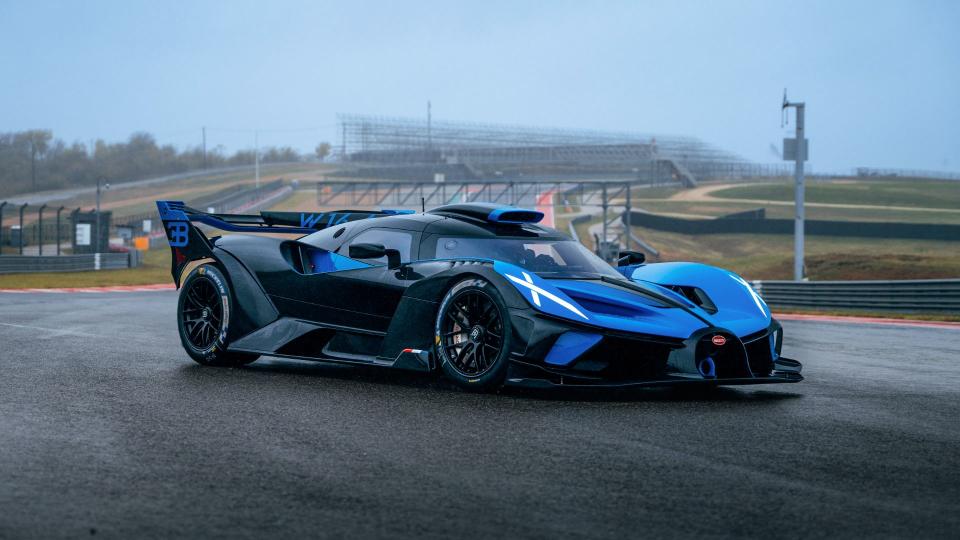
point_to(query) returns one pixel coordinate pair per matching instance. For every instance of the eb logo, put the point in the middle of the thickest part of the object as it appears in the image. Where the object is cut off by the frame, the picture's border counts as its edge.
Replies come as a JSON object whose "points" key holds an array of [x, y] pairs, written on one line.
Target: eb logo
{"points": [[178, 232]]}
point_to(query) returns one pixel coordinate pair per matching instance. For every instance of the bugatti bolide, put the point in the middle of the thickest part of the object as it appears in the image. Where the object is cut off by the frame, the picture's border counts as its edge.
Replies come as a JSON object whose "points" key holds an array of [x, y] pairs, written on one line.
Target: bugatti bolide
{"points": [[478, 291]]}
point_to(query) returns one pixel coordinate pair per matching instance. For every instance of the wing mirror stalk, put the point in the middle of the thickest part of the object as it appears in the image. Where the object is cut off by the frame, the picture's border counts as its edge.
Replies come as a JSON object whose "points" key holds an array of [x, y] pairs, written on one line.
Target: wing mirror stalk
{"points": [[627, 258], [375, 251]]}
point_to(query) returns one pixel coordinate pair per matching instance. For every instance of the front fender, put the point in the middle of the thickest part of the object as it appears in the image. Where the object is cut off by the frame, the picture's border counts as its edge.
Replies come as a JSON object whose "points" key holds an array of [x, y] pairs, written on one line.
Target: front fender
{"points": [[540, 294], [739, 307]]}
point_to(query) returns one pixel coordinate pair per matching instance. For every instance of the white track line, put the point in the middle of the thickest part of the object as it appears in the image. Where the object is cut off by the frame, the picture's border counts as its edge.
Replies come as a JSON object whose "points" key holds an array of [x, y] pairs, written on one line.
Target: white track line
{"points": [[55, 331]]}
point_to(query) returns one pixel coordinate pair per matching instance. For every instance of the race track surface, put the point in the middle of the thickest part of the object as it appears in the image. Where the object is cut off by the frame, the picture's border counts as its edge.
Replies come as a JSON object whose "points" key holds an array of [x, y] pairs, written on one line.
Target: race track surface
{"points": [[108, 428]]}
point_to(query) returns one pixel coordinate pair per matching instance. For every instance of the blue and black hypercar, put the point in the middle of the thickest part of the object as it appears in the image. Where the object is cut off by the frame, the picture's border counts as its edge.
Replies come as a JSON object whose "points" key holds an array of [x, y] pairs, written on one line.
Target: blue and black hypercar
{"points": [[479, 291]]}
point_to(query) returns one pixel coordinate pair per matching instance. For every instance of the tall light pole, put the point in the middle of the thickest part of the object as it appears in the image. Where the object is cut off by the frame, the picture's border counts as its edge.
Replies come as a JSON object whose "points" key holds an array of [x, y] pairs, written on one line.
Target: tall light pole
{"points": [[4, 203], [627, 217], [256, 156], [100, 179], [603, 241], [33, 164], [796, 149]]}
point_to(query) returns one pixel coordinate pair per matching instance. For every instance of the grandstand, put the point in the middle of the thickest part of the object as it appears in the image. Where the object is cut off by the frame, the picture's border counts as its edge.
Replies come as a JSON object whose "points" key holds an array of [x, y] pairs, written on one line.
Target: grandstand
{"points": [[418, 150]]}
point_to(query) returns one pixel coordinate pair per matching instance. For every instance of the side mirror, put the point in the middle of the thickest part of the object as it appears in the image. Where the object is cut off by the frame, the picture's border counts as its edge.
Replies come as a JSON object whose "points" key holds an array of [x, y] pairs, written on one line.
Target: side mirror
{"points": [[627, 258], [375, 251]]}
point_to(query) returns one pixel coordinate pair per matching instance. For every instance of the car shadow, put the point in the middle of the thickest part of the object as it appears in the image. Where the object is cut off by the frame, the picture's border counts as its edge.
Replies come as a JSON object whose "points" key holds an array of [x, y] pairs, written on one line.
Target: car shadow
{"points": [[272, 366]]}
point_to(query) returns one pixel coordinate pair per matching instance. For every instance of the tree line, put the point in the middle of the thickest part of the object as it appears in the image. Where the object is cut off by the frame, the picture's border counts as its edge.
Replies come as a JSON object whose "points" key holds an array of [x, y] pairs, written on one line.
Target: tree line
{"points": [[34, 160]]}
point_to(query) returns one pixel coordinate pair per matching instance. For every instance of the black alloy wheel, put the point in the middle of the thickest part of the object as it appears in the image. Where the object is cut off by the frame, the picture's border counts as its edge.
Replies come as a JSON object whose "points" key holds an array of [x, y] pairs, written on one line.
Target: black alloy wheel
{"points": [[472, 333], [202, 313], [203, 319]]}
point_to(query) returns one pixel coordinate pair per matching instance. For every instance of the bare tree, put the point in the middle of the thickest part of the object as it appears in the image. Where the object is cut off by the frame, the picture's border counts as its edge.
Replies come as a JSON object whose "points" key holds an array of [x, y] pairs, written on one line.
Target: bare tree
{"points": [[34, 159], [39, 142], [322, 150]]}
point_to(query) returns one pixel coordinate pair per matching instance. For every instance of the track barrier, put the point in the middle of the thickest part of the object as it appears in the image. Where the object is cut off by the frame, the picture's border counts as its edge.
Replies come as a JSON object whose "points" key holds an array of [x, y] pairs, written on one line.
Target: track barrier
{"points": [[919, 295]]}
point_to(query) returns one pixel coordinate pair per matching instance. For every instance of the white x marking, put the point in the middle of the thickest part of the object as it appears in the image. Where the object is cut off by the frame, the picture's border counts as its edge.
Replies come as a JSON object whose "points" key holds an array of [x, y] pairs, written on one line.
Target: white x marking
{"points": [[536, 291], [536, 295]]}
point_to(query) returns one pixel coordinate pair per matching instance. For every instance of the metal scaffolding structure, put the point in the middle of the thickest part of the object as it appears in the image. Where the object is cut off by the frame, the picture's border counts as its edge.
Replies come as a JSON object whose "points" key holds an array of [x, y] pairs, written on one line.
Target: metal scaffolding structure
{"points": [[419, 149], [608, 201], [414, 195]]}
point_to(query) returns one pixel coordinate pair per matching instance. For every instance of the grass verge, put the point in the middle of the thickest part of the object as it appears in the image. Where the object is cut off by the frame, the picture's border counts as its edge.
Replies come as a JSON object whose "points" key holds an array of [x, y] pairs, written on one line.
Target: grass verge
{"points": [[155, 269], [917, 193]]}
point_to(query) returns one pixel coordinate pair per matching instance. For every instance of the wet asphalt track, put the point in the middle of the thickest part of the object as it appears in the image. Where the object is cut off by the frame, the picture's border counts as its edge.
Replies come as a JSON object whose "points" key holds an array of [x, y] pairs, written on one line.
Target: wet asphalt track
{"points": [[107, 427]]}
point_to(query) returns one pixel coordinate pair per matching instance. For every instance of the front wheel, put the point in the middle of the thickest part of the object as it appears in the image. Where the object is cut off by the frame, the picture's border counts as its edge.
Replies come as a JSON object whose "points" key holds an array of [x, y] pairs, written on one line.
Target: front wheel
{"points": [[473, 335], [203, 317]]}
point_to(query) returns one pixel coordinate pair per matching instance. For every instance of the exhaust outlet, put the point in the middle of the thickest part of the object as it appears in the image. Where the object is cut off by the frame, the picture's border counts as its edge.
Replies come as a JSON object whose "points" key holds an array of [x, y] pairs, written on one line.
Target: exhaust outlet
{"points": [[707, 368]]}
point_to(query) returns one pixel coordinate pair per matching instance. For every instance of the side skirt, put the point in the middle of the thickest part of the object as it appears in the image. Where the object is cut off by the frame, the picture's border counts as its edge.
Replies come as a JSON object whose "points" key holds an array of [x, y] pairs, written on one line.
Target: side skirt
{"points": [[305, 340], [409, 361]]}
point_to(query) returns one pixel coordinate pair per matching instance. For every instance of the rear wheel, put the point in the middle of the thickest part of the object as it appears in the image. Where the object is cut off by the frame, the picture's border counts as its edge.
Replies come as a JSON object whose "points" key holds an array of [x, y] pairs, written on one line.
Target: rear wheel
{"points": [[203, 318], [473, 335]]}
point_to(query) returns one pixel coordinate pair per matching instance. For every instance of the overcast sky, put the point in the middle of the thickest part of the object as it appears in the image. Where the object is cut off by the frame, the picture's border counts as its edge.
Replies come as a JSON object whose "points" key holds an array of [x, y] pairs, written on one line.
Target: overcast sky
{"points": [[881, 79]]}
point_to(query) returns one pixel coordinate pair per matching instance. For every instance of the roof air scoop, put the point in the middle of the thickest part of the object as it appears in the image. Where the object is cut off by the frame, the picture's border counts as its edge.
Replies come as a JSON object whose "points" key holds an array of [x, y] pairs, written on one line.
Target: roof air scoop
{"points": [[491, 213], [514, 215]]}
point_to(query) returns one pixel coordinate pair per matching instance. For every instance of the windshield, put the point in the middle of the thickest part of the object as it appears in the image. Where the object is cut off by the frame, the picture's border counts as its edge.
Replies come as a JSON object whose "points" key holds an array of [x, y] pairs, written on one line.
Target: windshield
{"points": [[547, 258]]}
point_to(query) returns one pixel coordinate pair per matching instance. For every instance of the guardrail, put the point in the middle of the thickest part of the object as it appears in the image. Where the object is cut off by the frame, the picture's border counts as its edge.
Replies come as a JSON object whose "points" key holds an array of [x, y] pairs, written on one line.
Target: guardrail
{"points": [[223, 201], [921, 295], [69, 263], [230, 201], [50, 197]]}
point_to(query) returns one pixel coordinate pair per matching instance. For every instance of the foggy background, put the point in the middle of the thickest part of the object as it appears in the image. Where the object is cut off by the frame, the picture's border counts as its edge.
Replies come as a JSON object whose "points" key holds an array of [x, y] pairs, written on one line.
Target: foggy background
{"points": [[880, 78]]}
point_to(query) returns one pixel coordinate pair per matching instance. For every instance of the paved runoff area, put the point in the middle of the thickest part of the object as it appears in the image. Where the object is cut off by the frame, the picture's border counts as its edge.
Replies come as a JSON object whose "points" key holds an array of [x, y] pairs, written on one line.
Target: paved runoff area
{"points": [[108, 429]]}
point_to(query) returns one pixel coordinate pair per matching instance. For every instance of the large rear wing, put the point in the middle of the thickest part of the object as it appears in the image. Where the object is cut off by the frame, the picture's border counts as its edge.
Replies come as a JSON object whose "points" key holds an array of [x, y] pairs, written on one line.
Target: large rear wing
{"points": [[188, 243], [266, 222]]}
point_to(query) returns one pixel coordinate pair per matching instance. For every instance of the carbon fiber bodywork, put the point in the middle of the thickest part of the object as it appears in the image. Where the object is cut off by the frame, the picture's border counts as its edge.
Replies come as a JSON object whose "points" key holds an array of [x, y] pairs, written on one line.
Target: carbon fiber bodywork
{"points": [[306, 299]]}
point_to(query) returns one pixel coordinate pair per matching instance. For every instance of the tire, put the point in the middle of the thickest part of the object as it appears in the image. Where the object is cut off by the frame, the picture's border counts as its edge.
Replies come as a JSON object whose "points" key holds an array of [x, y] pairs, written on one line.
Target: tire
{"points": [[473, 335], [203, 318]]}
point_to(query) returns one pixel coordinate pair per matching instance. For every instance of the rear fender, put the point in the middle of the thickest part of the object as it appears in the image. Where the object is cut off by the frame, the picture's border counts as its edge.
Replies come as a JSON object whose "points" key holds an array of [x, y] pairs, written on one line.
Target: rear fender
{"points": [[252, 307]]}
